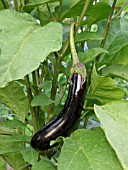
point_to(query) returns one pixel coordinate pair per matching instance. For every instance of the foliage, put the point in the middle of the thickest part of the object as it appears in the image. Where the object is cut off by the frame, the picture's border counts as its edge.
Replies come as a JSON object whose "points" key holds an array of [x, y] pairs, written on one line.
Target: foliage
{"points": [[35, 63]]}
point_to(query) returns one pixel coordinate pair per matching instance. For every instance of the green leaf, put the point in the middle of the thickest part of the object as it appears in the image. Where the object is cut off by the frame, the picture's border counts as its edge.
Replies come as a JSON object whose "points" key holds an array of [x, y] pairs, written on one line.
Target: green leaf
{"points": [[7, 131], [124, 56], [19, 54], [114, 122], [30, 156], [4, 139], [117, 39], [35, 3], [15, 160], [15, 123], [87, 149], [116, 70], [44, 164], [90, 54], [99, 12], [14, 97], [84, 36], [104, 88], [43, 12], [73, 8], [2, 164], [41, 100], [10, 148]]}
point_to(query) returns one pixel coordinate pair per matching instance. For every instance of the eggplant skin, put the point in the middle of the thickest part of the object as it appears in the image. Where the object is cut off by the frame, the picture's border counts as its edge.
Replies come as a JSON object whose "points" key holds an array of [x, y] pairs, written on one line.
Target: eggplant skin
{"points": [[63, 124]]}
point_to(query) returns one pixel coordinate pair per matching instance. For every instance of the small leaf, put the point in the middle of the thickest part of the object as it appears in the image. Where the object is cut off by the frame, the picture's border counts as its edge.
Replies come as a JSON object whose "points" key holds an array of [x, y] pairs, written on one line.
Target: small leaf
{"points": [[41, 100], [30, 156], [84, 36], [116, 70], [35, 3], [44, 164], [87, 149], [90, 54], [14, 97], [15, 160], [73, 8], [124, 56], [43, 12], [114, 122], [104, 88], [99, 12]]}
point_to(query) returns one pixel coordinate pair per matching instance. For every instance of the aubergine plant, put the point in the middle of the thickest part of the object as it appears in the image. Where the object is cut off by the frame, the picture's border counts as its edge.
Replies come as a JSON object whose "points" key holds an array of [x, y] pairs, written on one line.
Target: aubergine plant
{"points": [[64, 84]]}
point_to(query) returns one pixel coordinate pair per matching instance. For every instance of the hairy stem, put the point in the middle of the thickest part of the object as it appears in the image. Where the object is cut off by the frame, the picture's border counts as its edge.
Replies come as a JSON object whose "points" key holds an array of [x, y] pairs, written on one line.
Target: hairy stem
{"points": [[72, 45], [107, 28], [77, 26], [86, 5]]}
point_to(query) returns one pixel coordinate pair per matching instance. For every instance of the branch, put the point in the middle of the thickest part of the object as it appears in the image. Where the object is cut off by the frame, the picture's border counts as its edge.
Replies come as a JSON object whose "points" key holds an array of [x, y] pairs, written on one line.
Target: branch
{"points": [[121, 9], [107, 28], [30, 97]]}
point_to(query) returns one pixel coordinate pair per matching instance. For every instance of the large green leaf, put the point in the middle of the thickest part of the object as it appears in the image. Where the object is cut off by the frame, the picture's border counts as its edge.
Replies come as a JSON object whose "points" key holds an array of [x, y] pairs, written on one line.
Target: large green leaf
{"points": [[116, 70], [87, 149], [14, 97], [104, 88], [114, 122], [44, 164], [24, 44]]}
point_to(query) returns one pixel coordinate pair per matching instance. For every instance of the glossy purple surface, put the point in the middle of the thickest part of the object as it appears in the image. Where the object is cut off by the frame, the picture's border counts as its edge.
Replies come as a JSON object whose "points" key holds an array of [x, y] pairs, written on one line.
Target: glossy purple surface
{"points": [[63, 124]]}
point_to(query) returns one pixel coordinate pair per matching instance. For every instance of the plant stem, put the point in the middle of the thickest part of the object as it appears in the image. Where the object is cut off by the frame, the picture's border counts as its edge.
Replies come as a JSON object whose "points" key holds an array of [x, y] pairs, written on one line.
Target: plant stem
{"points": [[4, 4], [88, 108], [16, 5], [77, 26], [107, 28], [59, 10], [86, 5], [121, 9], [54, 85], [30, 97], [86, 119], [72, 45]]}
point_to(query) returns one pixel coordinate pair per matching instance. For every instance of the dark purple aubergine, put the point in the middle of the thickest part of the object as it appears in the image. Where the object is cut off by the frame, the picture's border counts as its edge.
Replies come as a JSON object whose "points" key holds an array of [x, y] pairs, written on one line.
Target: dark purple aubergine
{"points": [[65, 122]]}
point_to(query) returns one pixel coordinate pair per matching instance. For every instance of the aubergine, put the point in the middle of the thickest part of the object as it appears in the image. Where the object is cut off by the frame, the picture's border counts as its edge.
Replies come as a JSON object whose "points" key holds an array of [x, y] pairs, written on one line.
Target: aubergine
{"points": [[65, 122]]}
